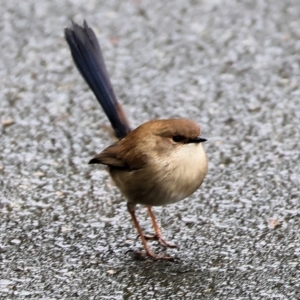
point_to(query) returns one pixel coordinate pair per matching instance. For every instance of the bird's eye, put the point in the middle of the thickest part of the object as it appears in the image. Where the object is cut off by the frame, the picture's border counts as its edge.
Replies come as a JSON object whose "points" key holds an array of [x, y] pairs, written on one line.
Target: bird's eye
{"points": [[178, 138]]}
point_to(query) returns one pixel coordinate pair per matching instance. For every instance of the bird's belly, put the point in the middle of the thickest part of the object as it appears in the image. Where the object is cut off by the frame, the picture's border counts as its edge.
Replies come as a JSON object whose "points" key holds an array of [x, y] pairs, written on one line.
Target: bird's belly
{"points": [[165, 181]]}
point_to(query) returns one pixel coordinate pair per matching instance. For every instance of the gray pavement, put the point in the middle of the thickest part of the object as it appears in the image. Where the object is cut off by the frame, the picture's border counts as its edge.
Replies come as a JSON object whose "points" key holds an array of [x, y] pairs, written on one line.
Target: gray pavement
{"points": [[232, 66]]}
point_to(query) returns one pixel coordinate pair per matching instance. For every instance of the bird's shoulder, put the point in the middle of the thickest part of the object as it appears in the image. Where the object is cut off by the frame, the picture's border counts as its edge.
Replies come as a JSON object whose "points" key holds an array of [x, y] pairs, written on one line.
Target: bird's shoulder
{"points": [[122, 156]]}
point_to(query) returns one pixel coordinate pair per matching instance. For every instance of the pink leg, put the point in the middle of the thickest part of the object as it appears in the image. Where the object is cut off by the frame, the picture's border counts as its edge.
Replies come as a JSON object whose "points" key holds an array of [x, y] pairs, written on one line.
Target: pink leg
{"points": [[158, 235], [149, 253]]}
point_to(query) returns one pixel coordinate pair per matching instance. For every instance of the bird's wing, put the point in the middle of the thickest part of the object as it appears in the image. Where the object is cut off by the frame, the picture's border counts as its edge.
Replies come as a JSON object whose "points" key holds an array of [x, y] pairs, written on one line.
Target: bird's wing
{"points": [[122, 157]]}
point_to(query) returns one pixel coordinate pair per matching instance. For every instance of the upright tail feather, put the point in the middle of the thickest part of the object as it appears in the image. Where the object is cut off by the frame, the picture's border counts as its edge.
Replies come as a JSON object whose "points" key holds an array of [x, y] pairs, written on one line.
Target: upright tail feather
{"points": [[88, 59]]}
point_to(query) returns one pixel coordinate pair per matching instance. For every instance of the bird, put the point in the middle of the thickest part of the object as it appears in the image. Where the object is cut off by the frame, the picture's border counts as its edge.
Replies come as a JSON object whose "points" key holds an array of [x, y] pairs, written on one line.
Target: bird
{"points": [[158, 163]]}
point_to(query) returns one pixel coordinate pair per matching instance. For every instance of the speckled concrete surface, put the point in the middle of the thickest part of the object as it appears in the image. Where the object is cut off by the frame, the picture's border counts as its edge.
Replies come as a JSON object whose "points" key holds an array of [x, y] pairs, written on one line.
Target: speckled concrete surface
{"points": [[232, 66]]}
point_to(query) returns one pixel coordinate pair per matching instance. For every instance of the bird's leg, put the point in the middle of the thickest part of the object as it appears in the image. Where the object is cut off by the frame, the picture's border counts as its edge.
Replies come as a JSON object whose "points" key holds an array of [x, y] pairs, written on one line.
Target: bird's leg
{"points": [[158, 235], [149, 253]]}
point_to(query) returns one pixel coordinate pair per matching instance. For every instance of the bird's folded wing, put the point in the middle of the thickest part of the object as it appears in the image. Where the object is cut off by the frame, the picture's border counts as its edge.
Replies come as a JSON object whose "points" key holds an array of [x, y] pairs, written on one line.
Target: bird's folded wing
{"points": [[120, 157]]}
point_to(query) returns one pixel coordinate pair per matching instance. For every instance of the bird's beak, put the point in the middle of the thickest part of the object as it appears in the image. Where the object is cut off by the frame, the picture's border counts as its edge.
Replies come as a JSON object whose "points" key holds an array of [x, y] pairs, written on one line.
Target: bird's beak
{"points": [[197, 139]]}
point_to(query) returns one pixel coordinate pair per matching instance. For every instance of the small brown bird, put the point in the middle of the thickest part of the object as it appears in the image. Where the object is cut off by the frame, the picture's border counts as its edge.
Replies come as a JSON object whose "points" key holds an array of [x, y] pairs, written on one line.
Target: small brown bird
{"points": [[158, 163]]}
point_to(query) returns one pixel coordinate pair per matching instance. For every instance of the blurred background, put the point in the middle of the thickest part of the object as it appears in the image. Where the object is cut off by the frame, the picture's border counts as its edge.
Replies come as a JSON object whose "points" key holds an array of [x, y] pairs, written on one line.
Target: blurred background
{"points": [[233, 67]]}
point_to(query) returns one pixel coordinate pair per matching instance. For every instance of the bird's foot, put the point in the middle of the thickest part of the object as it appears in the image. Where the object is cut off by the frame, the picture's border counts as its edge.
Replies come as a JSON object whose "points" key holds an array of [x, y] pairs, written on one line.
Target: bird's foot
{"points": [[161, 240], [153, 256]]}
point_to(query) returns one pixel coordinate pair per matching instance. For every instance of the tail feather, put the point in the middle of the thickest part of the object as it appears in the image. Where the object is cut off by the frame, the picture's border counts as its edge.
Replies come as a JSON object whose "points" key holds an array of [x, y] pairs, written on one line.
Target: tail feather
{"points": [[87, 56]]}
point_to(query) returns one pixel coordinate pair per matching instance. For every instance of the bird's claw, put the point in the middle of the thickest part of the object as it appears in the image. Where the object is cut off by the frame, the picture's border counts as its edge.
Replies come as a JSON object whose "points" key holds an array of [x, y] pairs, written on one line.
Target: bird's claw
{"points": [[161, 240], [155, 257]]}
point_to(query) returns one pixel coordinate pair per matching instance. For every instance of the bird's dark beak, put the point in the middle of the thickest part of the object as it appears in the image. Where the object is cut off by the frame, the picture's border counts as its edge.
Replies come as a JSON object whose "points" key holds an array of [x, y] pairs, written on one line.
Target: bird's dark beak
{"points": [[197, 139]]}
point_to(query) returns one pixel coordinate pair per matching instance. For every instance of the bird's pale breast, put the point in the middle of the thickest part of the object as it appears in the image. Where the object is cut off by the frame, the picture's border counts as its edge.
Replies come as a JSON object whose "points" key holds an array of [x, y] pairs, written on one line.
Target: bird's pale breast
{"points": [[165, 180]]}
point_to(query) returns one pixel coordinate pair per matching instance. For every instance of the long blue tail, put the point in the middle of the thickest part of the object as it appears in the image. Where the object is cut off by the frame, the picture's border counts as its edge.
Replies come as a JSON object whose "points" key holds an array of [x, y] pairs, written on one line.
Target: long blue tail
{"points": [[88, 58]]}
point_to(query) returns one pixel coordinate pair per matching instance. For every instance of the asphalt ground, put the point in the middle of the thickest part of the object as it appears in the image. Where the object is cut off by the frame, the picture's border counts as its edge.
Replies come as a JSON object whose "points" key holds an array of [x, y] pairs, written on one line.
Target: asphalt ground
{"points": [[233, 67]]}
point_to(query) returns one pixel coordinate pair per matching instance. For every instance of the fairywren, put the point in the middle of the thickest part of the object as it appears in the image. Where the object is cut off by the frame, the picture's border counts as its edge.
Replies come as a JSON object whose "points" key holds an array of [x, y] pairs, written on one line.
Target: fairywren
{"points": [[158, 163]]}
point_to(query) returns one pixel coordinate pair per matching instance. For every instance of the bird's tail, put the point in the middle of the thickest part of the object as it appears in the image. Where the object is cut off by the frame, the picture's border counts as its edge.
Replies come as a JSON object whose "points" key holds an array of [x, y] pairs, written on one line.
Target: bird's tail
{"points": [[88, 59]]}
